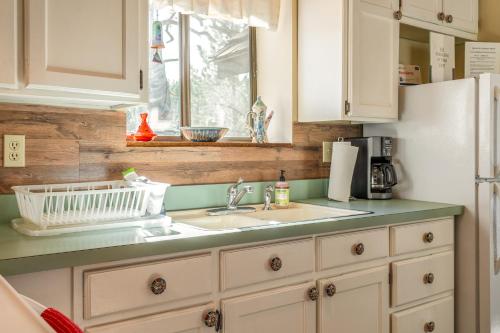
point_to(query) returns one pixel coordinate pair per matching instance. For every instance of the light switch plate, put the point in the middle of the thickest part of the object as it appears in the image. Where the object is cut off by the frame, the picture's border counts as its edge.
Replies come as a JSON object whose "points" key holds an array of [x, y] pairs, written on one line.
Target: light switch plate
{"points": [[14, 151], [327, 152]]}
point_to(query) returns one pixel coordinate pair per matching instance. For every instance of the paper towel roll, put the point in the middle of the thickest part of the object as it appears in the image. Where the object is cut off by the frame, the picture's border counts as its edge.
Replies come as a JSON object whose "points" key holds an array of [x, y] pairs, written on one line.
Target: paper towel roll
{"points": [[341, 171]]}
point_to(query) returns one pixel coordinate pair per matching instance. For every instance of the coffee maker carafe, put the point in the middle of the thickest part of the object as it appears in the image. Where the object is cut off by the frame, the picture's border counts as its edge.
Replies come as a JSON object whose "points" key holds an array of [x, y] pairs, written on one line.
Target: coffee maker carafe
{"points": [[374, 174]]}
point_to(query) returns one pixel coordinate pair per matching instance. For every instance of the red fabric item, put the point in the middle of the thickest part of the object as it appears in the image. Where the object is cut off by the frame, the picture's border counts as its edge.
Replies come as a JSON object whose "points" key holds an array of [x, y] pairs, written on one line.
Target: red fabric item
{"points": [[59, 322]]}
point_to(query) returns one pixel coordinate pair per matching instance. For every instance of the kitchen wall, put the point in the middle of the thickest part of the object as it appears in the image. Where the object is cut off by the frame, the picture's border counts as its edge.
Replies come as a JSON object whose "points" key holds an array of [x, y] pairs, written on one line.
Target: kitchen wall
{"points": [[489, 24], [416, 50], [71, 145], [277, 71]]}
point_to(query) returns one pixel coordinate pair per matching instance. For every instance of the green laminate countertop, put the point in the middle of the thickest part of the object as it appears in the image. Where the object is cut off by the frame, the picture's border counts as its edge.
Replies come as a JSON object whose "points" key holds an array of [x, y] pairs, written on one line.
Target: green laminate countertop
{"points": [[22, 254]]}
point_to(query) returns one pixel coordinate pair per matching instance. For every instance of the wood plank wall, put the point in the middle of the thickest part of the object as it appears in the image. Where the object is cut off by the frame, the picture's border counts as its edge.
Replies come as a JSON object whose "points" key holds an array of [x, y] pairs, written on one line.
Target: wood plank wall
{"points": [[71, 145]]}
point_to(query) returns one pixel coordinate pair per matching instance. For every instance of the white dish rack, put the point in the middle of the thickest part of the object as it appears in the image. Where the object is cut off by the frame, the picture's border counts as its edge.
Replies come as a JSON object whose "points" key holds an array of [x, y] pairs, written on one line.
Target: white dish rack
{"points": [[86, 206]]}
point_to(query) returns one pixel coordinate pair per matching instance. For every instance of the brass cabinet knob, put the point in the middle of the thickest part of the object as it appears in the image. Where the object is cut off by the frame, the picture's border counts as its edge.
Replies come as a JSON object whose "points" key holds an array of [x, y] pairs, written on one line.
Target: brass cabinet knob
{"points": [[428, 278], [276, 264], [358, 249], [313, 294], [211, 318], [330, 289], [158, 286], [430, 326], [441, 16], [428, 237], [398, 15], [449, 18]]}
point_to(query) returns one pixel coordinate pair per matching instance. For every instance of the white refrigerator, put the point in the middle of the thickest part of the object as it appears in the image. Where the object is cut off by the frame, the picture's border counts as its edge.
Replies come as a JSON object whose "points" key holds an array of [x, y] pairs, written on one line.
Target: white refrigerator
{"points": [[447, 149]]}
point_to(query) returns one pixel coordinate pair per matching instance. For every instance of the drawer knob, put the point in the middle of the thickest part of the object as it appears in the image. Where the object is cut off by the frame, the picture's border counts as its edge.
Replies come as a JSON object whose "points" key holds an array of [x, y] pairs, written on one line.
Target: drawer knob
{"points": [[313, 294], [358, 249], [330, 289], [449, 18], [212, 318], [428, 278], [428, 237], [441, 16], [158, 286], [398, 15], [430, 326], [276, 264]]}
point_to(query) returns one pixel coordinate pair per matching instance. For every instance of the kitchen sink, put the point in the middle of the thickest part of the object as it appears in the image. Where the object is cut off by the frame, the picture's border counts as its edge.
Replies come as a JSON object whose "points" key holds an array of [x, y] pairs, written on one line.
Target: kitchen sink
{"points": [[220, 222], [303, 212], [296, 213]]}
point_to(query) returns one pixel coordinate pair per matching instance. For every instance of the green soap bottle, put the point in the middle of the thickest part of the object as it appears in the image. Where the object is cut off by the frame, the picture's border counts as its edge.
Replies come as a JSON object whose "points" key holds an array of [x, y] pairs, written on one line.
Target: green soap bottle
{"points": [[282, 192]]}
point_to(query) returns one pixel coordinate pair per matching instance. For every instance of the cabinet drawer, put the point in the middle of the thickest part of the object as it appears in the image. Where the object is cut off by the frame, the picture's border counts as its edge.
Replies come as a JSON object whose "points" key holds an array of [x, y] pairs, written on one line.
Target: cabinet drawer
{"points": [[187, 320], [248, 266], [437, 315], [350, 248], [422, 277], [124, 288], [421, 236]]}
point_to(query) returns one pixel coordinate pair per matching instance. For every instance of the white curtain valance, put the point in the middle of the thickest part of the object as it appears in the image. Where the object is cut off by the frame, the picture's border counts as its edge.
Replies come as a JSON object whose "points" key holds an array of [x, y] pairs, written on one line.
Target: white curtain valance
{"points": [[255, 13]]}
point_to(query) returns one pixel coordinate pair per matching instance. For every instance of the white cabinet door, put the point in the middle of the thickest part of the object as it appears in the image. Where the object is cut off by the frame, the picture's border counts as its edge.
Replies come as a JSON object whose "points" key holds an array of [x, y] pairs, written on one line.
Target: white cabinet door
{"points": [[355, 303], [10, 15], [373, 62], [183, 321], [424, 10], [461, 14], [90, 46], [286, 310], [322, 59]]}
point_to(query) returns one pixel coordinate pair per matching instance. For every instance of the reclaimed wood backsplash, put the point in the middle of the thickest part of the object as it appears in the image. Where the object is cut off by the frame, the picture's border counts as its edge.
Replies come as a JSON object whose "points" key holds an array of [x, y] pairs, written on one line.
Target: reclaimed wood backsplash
{"points": [[71, 145]]}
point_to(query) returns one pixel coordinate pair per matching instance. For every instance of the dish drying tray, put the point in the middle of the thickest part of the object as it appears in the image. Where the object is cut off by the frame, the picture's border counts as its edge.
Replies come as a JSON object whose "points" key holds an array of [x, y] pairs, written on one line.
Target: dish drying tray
{"points": [[56, 209]]}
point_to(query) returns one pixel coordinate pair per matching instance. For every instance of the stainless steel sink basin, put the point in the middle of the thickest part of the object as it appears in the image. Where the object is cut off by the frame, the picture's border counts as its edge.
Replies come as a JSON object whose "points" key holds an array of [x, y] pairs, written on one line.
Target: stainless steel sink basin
{"points": [[296, 213]]}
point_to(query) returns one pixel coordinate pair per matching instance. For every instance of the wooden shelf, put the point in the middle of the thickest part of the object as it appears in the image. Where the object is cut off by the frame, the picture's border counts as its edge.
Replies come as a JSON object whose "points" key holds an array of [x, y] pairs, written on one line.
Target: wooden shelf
{"points": [[206, 144]]}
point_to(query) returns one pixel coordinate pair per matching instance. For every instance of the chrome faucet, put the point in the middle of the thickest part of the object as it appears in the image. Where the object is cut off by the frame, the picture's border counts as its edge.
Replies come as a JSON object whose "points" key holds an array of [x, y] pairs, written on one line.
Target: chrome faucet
{"points": [[267, 197], [234, 195], [233, 198]]}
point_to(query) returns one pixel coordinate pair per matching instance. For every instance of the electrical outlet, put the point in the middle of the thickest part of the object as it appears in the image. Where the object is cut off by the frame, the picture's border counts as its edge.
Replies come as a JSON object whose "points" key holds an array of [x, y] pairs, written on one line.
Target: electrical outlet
{"points": [[327, 152], [14, 151]]}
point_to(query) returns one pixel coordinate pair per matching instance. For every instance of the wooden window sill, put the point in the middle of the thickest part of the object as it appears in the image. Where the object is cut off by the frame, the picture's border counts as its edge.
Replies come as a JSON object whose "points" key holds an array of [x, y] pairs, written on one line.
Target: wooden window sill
{"points": [[206, 144]]}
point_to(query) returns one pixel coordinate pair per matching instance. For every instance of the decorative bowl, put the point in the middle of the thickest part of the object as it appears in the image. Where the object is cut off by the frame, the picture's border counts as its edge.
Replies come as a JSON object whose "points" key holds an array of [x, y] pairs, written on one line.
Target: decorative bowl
{"points": [[204, 134]]}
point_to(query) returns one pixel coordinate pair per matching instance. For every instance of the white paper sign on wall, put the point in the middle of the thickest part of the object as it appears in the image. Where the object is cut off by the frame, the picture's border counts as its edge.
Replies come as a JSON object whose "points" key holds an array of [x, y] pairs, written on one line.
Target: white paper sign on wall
{"points": [[442, 48], [481, 58]]}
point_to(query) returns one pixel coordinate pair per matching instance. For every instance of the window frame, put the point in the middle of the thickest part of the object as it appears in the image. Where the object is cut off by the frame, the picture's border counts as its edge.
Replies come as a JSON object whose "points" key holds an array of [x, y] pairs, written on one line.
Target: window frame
{"points": [[185, 79]]}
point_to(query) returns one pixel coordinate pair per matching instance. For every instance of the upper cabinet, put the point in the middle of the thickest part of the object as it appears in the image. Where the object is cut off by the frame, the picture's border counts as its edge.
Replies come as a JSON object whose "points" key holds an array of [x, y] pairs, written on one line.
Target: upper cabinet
{"points": [[348, 60], [10, 17], [425, 10], [85, 46], [90, 52], [452, 17], [461, 14], [373, 61]]}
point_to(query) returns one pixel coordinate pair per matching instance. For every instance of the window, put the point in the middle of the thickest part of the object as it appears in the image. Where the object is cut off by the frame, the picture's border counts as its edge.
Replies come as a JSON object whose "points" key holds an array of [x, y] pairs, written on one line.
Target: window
{"points": [[206, 79]]}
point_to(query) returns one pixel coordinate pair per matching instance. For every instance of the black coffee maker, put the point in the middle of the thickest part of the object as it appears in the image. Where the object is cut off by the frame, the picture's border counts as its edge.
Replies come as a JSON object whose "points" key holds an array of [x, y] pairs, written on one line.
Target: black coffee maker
{"points": [[374, 174]]}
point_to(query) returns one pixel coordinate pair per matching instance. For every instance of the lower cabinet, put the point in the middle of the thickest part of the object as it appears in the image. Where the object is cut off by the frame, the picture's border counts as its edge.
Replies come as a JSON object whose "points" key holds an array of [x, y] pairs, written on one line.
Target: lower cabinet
{"points": [[431, 317], [351, 282], [355, 302], [422, 277], [183, 321], [284, 310]]}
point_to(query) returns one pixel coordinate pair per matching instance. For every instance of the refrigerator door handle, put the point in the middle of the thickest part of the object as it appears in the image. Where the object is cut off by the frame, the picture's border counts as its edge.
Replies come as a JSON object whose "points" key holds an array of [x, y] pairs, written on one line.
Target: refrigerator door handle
{"points": [[493, 144], [496, 258], [494, 181], [491, 180]]}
